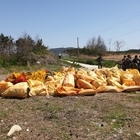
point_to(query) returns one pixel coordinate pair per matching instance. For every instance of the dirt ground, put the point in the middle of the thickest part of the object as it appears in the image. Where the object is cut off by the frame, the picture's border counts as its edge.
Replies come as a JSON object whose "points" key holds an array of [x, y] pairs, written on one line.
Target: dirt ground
{"points": [[104, 116]]}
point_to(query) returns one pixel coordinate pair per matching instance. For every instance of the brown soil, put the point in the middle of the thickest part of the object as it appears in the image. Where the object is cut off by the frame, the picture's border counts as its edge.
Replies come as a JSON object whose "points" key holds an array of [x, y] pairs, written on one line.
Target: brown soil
{"points": [[105, 116]]}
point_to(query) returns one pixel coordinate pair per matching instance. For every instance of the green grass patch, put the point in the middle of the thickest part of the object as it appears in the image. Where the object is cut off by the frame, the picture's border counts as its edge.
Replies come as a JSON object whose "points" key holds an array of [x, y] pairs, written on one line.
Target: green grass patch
{"points": [[106, 63], [135, 99], [3, 114], [52, 107], [118, 114]]}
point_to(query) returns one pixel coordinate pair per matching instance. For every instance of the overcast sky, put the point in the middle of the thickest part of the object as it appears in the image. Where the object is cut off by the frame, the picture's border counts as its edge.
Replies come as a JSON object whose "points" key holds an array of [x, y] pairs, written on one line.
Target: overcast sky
{"points": [[60, 22]]}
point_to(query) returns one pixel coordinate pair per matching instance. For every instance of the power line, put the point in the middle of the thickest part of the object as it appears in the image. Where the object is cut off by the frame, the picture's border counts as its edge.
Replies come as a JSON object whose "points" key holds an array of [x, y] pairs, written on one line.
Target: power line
{"points": [[128, 33], [122, 22], [124, 34]]}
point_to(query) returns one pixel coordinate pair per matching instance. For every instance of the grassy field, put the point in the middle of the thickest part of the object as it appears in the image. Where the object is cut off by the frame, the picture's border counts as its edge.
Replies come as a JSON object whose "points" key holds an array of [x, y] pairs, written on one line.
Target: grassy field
{"points": [[104, 116]]}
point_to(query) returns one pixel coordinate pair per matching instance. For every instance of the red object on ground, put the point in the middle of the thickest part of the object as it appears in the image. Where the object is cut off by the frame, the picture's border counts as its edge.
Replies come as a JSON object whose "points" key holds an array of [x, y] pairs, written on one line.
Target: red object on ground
{"points": [[21, 78]]}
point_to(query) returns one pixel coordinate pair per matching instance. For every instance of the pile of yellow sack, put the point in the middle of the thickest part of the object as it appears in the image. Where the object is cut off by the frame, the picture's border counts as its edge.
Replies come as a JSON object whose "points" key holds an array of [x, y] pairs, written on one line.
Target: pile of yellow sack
{"points": [[70, 81]]}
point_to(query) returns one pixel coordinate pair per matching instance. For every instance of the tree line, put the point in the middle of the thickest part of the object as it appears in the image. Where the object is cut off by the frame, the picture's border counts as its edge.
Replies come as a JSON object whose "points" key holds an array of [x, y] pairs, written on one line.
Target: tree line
{"points": [[95, 46], [26, 49], [18, 52]]}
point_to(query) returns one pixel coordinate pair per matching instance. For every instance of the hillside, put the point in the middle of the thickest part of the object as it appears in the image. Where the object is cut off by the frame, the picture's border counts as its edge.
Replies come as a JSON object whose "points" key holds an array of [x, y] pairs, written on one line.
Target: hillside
{"points": [[60, 50]]}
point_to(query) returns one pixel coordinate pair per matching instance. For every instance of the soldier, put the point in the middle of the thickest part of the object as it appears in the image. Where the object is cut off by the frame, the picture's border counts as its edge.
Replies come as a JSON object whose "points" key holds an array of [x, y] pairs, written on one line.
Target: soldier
{"points": [[135, 63], [128, 62], [99, 61], [59, 56], [139, 63], [123, 63]]}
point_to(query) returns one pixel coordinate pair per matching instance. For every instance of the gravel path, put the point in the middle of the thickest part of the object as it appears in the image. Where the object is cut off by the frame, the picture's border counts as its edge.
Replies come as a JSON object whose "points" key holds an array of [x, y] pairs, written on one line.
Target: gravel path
{"points": [[91, 67]]}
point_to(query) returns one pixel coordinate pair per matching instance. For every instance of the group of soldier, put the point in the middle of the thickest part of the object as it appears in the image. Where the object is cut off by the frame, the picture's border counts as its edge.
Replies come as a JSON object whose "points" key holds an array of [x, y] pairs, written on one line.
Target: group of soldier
{"points": [[129, 63]]}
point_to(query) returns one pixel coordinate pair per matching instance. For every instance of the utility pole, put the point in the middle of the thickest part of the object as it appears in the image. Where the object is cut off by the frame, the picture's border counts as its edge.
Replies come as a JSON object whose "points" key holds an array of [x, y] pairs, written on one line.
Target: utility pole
{"points": [[109, 45], [77, 47]]}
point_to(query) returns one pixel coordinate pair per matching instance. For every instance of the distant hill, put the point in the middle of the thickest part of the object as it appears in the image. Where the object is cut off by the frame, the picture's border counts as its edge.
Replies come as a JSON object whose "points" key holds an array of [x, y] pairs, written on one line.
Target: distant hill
{"points": [[60, 50]]}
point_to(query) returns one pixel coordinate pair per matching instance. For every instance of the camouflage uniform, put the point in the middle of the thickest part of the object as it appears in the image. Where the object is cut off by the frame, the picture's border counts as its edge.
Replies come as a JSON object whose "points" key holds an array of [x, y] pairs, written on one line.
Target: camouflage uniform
{"points": [[99, 60], [128, 62]]}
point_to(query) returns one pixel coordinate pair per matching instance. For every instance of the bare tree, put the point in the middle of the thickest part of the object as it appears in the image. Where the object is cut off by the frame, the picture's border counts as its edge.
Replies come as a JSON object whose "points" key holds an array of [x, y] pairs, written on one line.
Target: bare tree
{"points": [[118, 45], [97, 45], [91, 43]]}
